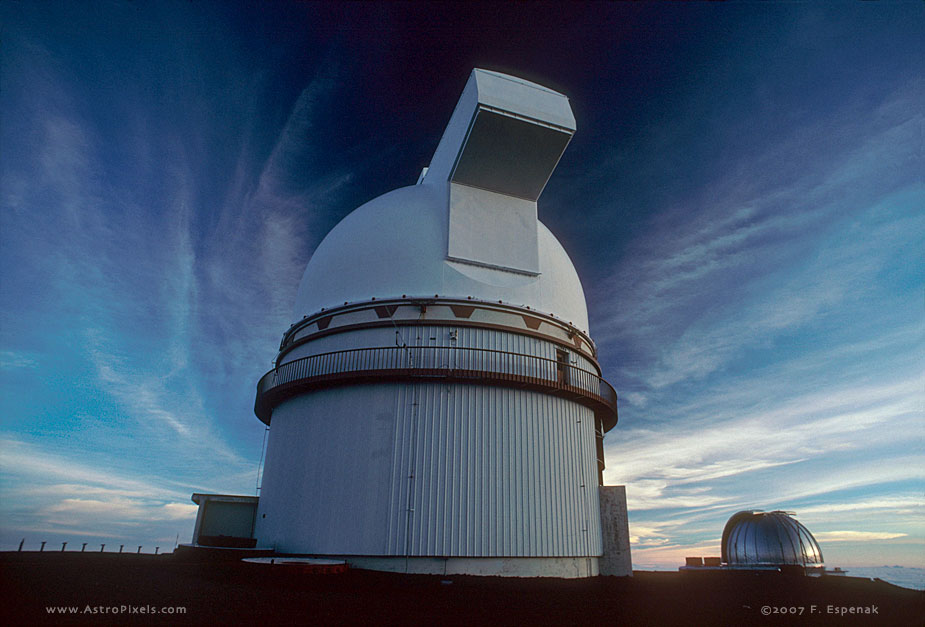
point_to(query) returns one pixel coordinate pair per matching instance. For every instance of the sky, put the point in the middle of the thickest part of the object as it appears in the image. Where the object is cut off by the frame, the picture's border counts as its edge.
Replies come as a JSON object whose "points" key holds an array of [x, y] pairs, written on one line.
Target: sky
{"points": [[743, 201]]}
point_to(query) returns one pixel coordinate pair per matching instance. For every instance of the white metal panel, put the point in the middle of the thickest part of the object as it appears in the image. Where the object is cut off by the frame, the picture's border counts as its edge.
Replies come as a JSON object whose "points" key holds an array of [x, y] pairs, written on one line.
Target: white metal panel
{"points": [[489, 512], [440, 470], [513, 96], [491, 229], [396, 244], [522, 97], [433, 469], [323, 488]]}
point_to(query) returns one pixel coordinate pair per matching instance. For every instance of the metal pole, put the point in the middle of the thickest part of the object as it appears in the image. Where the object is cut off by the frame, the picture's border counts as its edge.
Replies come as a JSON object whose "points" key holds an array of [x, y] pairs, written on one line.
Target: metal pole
{"points": [[83, 547], [120, 547], [42, 547], [63, 544], [139, 549], [21, 542], [102, 546], [156, 549]]}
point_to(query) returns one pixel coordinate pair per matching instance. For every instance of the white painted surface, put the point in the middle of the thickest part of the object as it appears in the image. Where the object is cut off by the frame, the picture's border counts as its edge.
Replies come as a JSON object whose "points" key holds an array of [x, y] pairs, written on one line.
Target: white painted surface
{"points": [[395, 244], [431, 470], [464, 478], [492, 230], [454, 136], [455, 240], [510, 94], [522, 97]]}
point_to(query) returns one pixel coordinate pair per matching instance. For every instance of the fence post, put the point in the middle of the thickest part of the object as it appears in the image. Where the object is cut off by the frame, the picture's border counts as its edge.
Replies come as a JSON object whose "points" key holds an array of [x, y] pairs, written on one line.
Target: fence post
{"points": [[42, 548], [139, 548], [21, 542], [120, 547], [63, 544], [102, 546], [83, 547]]}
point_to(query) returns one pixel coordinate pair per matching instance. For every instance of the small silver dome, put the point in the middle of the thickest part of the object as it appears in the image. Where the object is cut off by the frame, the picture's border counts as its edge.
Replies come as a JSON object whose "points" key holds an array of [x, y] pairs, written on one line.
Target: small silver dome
{"points": [[754, 538]]}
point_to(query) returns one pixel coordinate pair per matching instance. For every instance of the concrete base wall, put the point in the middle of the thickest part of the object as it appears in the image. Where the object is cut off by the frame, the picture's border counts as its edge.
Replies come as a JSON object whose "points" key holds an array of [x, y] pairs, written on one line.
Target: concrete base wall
{"points": [[615, 532], [564, 567]]}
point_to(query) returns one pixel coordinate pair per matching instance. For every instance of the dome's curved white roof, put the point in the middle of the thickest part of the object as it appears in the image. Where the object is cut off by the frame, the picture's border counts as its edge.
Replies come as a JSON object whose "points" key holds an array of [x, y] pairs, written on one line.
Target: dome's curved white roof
{"points": [[395, 245]]}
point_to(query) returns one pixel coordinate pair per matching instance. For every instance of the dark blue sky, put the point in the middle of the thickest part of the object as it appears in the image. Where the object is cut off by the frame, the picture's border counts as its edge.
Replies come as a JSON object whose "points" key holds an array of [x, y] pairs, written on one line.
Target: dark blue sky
{"points": [[743, 201]]}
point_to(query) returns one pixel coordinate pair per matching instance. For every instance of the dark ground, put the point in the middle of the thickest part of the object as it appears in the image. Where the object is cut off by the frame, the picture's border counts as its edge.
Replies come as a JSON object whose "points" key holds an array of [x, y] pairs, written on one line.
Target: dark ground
{"points": [[245, 593]]}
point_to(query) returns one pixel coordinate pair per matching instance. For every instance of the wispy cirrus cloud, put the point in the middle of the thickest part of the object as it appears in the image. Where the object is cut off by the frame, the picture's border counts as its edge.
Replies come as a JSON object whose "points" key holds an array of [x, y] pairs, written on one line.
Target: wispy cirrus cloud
{"points": [[814, 452], [705, 446], [759, 311], [173, 273], [889, 506], [766, 338], [273, 217], [15, 360], [777, 260], [60, 493], [168, 312], [778, 304], [856, 536]]}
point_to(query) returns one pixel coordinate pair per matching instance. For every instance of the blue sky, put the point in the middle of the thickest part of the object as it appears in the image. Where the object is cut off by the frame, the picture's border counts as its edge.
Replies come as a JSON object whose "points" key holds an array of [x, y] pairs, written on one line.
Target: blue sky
{"points": [[743, 201]]}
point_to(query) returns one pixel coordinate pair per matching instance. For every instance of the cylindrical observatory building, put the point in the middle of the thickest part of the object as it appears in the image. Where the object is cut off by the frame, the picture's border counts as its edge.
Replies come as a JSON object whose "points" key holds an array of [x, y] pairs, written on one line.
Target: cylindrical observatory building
{"points": [[437, 405]]}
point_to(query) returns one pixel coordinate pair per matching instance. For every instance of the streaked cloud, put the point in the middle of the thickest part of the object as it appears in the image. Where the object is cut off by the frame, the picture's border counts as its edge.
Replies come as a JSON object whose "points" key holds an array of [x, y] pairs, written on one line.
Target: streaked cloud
{"points": [[856, 536], [13, 360], [751, 246]]}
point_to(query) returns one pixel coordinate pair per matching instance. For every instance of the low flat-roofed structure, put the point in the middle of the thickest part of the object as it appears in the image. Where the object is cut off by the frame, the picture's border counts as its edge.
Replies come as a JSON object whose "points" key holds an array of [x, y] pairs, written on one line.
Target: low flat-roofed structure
{"points": [[225, 520]]}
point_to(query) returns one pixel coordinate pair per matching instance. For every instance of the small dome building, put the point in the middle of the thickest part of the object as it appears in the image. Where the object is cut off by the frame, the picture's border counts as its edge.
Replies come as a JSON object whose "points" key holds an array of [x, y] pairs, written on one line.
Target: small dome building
{"points": [[768, 539]]}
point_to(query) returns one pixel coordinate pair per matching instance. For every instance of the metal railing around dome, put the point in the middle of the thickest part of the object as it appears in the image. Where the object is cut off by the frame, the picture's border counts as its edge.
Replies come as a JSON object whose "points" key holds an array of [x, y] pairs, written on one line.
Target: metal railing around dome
{"points": [[444, 363]]}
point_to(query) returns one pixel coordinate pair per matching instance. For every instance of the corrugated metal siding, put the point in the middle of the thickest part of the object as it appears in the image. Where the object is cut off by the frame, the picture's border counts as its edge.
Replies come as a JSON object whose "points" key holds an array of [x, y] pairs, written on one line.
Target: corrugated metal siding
{"points": [[491, 472], [431, 469], [325, 486], [487, 472]]}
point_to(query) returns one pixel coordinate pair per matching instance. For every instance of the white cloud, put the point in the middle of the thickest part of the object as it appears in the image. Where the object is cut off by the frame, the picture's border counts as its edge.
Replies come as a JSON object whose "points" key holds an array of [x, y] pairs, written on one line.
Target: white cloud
{"points": [[47, 476], [15, 360], [856, 536], [897, 505], [179, 511], [637, 399], [60, 497], [738, 266], [711, 446], [94, 509]]}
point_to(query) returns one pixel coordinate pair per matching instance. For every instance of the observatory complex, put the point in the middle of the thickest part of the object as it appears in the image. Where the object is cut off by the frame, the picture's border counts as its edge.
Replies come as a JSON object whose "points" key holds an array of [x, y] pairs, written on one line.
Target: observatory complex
{"points": [[437, 405], [754, 540]]}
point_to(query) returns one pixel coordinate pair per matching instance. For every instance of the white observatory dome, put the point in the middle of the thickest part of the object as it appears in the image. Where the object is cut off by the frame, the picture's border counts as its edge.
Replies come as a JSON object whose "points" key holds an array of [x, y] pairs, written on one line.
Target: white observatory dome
{"points": [[395, 245], [437, 405]]}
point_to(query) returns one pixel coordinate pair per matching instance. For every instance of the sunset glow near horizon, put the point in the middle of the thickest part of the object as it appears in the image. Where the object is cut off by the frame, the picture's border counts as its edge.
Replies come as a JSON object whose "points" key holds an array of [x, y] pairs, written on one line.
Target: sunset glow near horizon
{"points": [[743, 200]]}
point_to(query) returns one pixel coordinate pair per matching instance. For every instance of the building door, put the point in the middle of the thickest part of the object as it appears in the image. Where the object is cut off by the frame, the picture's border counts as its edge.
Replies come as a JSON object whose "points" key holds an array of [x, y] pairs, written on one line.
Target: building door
{"points": [[562, 367]]}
